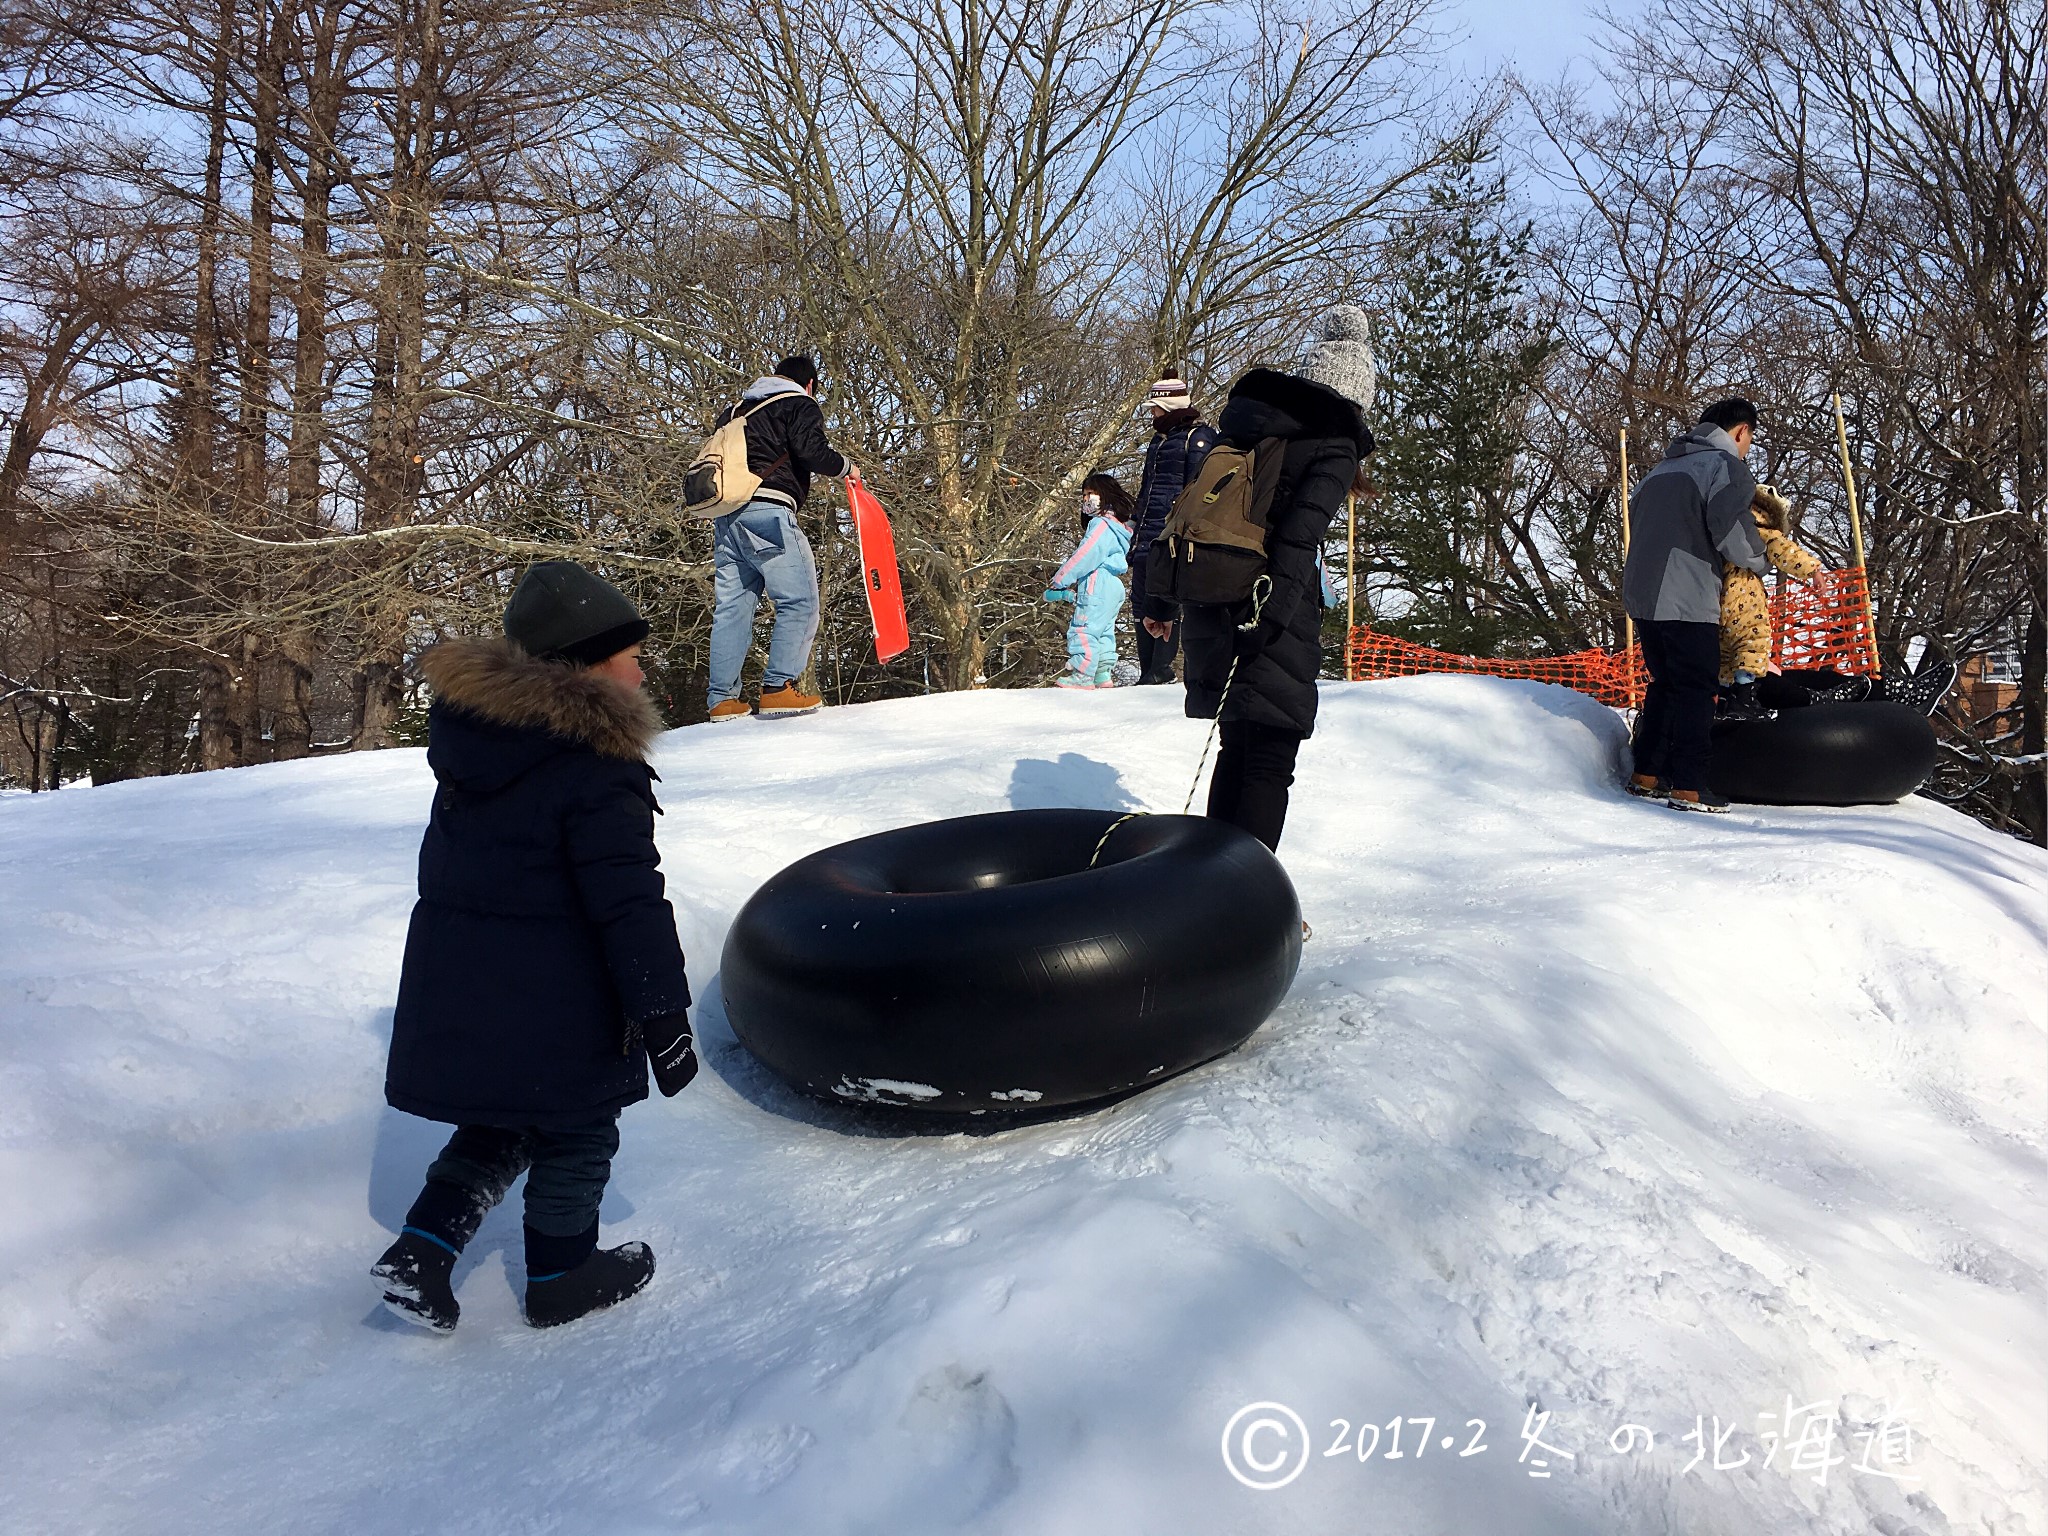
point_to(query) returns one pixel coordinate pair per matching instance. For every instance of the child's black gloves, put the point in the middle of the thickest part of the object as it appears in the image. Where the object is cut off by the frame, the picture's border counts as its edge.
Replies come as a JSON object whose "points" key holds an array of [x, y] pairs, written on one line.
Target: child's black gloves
{"points": [[670, 1049]]}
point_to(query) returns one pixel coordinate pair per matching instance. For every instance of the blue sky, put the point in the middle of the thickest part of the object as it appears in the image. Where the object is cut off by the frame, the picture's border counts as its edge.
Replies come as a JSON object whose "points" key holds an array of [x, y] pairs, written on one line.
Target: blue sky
{"points": [[1539, 38]]}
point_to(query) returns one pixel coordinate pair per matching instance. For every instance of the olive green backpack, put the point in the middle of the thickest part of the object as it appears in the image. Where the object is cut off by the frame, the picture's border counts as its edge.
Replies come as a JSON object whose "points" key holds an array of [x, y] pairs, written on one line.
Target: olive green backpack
{"points": [[1213, 547]]}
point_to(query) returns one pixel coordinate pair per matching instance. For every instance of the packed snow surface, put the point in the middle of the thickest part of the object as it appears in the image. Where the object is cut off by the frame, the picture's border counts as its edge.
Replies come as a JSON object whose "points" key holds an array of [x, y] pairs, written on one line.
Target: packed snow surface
{"points": [[1582, 1115]]}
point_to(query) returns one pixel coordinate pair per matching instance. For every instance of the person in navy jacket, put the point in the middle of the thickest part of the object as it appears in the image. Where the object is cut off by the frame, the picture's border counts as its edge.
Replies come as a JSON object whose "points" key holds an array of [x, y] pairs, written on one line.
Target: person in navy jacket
{"points": [[1180, 441]]}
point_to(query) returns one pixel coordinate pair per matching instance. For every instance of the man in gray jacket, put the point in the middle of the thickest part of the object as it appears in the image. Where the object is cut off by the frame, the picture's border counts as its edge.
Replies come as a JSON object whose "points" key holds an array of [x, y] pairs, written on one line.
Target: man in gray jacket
{"points": [[1688, 517]]}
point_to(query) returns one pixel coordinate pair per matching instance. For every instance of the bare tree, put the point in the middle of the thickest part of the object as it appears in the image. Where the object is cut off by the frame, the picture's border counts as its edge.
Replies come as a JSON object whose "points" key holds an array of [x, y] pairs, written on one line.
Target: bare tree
{"points": [[1002, 219]]}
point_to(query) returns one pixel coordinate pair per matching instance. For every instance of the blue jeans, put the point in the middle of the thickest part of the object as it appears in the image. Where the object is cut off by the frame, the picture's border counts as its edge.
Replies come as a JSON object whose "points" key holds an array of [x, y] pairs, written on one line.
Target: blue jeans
{"points": [[759, 549]]}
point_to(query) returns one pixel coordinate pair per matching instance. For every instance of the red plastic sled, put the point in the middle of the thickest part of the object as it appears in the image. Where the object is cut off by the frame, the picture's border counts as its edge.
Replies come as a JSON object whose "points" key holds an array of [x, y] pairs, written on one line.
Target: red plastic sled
{"points": [[878, 566]]}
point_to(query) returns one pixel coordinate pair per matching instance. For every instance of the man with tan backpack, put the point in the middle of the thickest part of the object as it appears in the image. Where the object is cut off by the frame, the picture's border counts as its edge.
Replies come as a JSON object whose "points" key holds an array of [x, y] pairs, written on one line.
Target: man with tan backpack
{"points": [[750, 481]]}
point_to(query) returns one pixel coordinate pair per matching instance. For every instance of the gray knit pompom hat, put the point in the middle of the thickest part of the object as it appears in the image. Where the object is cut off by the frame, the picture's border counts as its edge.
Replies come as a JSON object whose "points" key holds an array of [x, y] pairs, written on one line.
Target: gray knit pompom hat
{"points": [[1339, 355]]}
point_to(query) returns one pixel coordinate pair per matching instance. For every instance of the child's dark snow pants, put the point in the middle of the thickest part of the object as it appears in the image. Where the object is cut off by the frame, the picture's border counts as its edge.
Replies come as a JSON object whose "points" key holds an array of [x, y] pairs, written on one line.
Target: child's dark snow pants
{"points": [[566, 1168]]}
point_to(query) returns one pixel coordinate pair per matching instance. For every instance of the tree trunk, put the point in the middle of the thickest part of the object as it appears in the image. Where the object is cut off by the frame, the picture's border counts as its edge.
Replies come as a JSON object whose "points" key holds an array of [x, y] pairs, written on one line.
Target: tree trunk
{"points": [[292, 733], [392, 467], [309, 293], [197, 460], [380, 691], [58, 735], [253, 444], [249, 700], [2032, 791], [217, 715], [198, 479]]}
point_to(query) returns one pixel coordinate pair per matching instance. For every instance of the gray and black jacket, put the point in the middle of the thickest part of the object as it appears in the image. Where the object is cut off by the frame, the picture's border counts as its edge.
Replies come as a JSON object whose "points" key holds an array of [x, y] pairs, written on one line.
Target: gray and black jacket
{"points": [[1688, 516]]}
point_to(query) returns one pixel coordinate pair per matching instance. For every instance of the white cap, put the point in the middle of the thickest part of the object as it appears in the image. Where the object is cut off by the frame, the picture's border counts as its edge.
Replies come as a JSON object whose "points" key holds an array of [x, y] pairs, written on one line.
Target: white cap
{"points": [[1169, 394]]}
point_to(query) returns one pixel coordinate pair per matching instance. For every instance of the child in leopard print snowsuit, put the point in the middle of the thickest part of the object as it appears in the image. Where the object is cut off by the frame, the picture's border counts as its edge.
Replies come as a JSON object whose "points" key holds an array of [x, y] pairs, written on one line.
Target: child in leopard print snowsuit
{"points": [[1746, 610]]}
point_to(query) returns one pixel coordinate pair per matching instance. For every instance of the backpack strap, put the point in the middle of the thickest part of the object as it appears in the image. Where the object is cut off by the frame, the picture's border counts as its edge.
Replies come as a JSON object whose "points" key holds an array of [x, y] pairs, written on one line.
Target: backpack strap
{"points": [[741, 410]]}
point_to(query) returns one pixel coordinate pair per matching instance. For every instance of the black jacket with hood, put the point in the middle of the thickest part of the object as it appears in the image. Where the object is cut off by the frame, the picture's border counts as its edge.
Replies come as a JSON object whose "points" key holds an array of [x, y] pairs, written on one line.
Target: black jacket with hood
{"points": [[1325, 437], [785, 438], [542, 939]]}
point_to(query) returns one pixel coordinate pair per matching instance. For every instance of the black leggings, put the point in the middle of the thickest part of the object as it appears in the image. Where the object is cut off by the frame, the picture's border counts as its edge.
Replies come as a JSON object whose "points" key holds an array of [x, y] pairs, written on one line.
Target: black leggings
{"points": [[1254, 770]]}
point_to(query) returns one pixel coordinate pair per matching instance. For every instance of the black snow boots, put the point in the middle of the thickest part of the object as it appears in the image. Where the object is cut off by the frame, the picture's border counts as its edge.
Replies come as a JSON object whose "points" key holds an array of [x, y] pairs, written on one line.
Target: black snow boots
{"points": [[604, 1279], [413, 1277], [1738, 701]]}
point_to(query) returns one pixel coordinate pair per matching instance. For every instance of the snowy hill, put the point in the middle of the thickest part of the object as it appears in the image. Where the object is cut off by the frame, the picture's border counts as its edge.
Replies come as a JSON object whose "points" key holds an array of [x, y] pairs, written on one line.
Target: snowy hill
{"points": [[1578, 1103]]}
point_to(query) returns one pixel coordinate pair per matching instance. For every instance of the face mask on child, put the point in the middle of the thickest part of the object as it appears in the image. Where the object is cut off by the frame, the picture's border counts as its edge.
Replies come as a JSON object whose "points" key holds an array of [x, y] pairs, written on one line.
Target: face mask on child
{"points": [[1090, 504]]}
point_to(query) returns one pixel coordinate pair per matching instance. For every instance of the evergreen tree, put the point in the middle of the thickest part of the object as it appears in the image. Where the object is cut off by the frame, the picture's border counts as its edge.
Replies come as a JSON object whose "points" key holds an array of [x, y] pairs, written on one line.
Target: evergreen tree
{"points": [[1461, 358]]}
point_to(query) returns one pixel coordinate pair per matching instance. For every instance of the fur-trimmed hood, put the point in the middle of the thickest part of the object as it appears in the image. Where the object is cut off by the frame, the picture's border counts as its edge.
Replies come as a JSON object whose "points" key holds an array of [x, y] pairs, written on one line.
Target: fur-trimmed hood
{"points": [[496, 681], [1770, 509]]}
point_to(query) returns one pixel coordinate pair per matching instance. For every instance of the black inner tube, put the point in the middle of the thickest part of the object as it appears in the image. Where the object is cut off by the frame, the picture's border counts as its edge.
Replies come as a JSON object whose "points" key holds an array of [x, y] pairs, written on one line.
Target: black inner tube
{"points": [[1872, 753], [983, 965]]}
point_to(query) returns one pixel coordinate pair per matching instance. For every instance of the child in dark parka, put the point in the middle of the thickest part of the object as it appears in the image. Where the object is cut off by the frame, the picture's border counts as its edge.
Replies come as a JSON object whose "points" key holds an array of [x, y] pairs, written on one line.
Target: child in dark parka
{"points": [[542, 966]]}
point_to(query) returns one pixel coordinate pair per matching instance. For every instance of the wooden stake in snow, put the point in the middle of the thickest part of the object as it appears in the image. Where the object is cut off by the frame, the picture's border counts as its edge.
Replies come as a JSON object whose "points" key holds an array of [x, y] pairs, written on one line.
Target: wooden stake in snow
{"points": [[1350, 580], [1628, 622], [1856, 536]]}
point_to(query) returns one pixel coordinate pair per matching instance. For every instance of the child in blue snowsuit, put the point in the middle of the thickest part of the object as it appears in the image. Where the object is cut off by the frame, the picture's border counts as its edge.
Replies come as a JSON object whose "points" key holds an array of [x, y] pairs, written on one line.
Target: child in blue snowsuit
{"points": [[1089, 580]]}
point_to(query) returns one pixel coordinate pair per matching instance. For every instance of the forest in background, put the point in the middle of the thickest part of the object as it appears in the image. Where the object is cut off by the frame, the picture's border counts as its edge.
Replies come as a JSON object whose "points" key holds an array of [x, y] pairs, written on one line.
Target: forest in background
{"points": [[320, 319]]}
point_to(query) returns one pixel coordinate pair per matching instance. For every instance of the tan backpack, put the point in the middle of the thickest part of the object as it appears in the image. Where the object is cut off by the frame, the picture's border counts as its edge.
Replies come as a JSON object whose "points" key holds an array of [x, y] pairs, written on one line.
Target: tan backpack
{"points": [[1214, 542], [719, 479]]}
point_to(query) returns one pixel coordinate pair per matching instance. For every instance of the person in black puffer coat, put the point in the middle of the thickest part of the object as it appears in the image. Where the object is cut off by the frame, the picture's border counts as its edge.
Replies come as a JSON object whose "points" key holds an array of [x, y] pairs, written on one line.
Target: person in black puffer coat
{"points": [[1180, 441], [542, 967], [1319, 410]]}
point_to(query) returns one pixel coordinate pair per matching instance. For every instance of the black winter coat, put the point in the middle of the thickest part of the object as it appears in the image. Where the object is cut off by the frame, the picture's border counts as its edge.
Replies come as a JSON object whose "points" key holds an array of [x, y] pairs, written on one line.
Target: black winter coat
{"points": [[786, 443], [542, 939], [1180, 442], [1326, 438]]}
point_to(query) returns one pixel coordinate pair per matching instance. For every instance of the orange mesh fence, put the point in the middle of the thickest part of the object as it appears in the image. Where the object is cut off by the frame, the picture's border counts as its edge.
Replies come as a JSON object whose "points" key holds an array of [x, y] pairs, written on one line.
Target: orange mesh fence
{"points": [[1822, 625], [1826, 624], [1611, 677]]}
